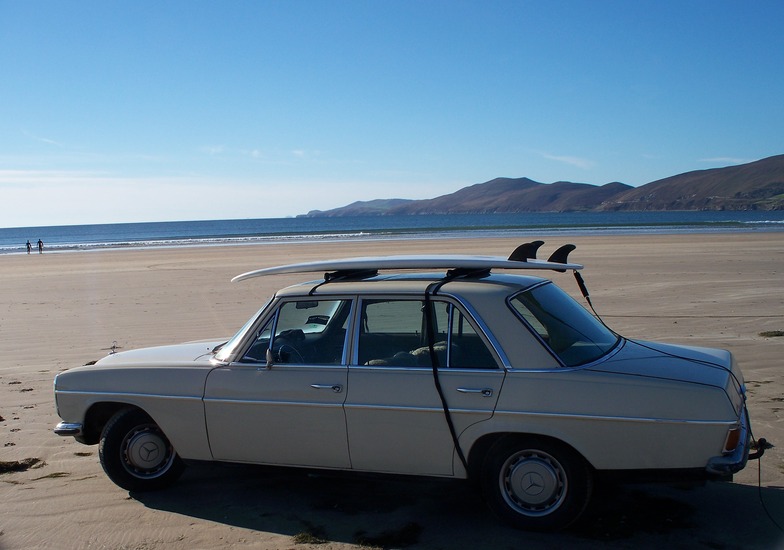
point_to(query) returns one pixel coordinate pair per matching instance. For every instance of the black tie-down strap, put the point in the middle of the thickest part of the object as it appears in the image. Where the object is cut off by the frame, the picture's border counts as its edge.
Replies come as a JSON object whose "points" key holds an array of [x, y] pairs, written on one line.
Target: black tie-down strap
{"points": [[431, 337]]}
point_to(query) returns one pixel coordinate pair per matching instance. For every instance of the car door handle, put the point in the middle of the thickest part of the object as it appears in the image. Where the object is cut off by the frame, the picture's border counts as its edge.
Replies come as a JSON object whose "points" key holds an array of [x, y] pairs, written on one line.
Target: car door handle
{"points": [[337, 388], [486, 392]]}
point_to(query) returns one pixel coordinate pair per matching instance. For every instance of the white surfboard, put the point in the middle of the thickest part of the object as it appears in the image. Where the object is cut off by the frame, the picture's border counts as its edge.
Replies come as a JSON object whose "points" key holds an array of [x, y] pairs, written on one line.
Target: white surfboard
{"points": [[408, 262]]}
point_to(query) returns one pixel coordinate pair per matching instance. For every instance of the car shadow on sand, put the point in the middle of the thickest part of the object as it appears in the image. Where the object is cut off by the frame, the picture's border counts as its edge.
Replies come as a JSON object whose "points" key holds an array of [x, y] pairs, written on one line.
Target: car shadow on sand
{"points": [[400, 512]]}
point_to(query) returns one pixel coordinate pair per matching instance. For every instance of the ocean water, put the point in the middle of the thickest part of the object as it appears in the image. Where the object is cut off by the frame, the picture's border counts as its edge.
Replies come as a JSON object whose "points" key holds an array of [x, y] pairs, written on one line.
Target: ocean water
{"points": [[527, 226]]}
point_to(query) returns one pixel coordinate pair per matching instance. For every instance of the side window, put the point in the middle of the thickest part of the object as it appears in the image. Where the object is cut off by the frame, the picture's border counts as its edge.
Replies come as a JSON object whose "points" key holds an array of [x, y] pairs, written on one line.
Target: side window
{"points": [[468, 349], [390, 332], [394, 333], [309, 332]]}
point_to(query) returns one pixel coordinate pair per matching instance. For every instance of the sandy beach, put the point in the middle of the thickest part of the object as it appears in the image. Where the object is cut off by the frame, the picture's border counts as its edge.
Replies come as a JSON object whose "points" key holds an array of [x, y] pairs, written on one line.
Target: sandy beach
{"points": [[58, 311]]}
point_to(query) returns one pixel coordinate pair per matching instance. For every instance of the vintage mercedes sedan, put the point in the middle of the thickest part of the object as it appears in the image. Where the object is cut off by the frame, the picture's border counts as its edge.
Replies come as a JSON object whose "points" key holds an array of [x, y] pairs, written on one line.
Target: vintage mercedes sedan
{"points": [[451, 366]]}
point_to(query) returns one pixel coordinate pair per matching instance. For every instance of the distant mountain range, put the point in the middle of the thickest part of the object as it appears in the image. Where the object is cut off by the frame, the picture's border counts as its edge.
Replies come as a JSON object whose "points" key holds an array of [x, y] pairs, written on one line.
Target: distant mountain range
{"points": [[754, 186]]}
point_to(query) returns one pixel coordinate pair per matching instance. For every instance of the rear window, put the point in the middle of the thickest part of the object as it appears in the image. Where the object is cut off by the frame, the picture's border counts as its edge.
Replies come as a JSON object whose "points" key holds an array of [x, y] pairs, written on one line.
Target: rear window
{"points": [[573, 334]]}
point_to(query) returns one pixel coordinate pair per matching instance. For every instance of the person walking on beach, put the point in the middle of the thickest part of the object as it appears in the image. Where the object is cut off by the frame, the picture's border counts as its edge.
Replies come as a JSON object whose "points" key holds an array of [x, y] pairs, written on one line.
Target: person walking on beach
{"points": [[40, 246], [29, 246]]}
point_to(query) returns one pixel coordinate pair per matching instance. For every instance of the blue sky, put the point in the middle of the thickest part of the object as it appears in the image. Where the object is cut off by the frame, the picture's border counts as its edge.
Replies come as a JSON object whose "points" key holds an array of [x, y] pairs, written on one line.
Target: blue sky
{"points": [[181, 110]]}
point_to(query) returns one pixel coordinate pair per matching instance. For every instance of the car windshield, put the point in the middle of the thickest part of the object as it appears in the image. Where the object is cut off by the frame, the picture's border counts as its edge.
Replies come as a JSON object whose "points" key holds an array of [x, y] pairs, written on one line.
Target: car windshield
{"points": [[573, 334], [227, 349]]}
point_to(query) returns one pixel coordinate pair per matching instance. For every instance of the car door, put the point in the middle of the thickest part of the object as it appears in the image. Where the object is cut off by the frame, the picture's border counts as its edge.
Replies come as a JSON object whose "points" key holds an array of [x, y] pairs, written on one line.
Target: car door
{"points": [[282, 403], [394, 414]]}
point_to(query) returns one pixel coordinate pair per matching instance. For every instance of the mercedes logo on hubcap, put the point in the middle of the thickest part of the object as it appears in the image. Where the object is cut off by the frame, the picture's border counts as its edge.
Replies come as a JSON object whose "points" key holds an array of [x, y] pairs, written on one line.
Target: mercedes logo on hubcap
{"points": [[533, 483], [149, 452]]}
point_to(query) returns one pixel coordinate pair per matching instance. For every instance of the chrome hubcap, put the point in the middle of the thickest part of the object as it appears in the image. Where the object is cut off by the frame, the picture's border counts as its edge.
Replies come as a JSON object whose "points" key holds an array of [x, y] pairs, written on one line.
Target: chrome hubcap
{"points": [[147, 453], [533, 483]]}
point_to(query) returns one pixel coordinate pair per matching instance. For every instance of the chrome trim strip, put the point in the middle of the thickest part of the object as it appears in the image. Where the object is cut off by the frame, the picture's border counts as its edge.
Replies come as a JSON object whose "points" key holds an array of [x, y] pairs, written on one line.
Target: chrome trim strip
{"points": [[400, 368], [310, 404], [498, 414], [126, 394], [434, 409]]}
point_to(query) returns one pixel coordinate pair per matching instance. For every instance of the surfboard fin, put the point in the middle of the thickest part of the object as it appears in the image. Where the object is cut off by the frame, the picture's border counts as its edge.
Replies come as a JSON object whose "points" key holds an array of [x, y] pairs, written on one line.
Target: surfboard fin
{"points": [[525, 252], [561, 256]]}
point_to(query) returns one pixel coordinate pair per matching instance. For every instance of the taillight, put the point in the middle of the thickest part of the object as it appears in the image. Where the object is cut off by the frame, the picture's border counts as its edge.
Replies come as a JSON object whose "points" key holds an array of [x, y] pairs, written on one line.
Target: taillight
{"points": [[733, 438]]}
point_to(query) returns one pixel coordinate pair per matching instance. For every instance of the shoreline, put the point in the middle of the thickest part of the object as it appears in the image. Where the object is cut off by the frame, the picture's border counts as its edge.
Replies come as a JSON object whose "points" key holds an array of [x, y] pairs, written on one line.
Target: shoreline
{"points": [[312, 239], [523, 226], [63, 310]]}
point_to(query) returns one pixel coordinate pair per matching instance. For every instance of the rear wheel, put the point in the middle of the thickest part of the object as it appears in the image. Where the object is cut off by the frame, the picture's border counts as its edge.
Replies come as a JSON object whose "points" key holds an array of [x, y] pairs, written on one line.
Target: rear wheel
{"points": [[536, 483], [135, 453]]}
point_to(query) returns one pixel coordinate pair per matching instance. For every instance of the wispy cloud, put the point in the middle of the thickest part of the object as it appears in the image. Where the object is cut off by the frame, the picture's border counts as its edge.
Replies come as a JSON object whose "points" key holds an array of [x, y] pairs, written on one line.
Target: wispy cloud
{"points": [[42, 139], [582, 163], [274, 155]]}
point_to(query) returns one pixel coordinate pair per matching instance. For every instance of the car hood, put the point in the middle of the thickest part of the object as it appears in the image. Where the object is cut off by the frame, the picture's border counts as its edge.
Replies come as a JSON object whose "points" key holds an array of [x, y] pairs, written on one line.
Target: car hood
{"points": [[189, 352], [672, 362], [166, 370]]}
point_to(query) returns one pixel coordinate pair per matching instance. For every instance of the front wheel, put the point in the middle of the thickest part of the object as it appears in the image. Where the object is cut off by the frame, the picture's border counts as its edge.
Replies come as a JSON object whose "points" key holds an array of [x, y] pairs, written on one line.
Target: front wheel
{"points": [[536, 483], [135, 453]]}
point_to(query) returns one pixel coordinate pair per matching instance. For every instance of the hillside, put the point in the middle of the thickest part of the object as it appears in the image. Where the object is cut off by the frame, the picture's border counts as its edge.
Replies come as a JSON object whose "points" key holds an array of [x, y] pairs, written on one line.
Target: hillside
{"points": [[754, 186], [516, 195]]}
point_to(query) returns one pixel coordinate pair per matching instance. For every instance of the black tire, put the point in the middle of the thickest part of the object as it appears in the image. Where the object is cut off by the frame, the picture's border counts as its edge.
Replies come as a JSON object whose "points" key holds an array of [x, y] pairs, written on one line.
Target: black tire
{"points": [[536, 483], [136, 454]]}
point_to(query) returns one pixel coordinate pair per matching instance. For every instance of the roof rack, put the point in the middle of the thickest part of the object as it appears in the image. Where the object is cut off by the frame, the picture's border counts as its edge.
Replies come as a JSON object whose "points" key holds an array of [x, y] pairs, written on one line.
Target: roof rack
{"points": [[350, 274]]}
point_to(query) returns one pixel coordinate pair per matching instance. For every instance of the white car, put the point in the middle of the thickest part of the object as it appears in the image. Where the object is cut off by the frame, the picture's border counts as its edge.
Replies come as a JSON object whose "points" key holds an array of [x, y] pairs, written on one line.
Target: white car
{"points": [[449, 366]]}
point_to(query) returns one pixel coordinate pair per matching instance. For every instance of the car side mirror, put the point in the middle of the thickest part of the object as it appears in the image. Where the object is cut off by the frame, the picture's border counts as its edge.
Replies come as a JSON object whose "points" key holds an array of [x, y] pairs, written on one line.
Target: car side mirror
{"points": [[270, 358]]}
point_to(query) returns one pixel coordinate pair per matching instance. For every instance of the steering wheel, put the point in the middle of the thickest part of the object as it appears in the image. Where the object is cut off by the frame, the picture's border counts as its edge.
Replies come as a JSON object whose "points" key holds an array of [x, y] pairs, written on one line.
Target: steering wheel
{"points": [[289, 354]]}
